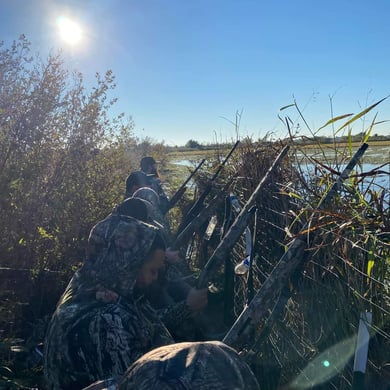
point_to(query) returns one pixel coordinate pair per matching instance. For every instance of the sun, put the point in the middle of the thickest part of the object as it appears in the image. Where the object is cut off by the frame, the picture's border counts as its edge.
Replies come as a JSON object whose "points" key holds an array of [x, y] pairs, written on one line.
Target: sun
{"points": [[70, 31]]}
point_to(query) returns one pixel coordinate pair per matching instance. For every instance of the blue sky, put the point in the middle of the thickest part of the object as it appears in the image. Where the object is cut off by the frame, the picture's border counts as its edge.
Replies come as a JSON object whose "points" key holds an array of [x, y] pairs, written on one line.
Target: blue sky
{"points": [[185, 67]]}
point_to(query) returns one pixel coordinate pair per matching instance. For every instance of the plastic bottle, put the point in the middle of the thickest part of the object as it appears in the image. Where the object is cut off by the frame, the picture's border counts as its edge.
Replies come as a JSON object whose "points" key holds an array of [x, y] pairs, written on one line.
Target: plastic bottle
{"points": [[243, 267], [235, 203], [210, 227]]}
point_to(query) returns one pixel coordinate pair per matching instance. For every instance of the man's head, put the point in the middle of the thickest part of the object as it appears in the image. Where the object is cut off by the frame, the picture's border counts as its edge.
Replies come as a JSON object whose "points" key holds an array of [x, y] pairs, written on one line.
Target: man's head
{"points": [[148, 165], [125, 245]]}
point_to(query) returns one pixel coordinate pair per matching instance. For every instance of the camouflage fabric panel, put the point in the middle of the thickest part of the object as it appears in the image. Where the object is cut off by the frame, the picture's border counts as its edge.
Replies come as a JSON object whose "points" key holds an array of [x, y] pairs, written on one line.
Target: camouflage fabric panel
{"points": [[200, 365], [107, 384]]}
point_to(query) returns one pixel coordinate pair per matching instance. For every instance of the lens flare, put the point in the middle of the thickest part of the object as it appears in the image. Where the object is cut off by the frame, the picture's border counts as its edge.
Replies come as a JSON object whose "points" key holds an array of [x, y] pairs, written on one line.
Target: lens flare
{"points": [[326, 365]]}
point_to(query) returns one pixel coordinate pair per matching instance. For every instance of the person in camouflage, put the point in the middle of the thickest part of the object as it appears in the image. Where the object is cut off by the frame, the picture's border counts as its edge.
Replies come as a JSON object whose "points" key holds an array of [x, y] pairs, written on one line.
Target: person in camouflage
{"points": [[174, 283], [134, 181], [149, 167], [103, 322], [210, 365], [173, 312], [154, 211]]}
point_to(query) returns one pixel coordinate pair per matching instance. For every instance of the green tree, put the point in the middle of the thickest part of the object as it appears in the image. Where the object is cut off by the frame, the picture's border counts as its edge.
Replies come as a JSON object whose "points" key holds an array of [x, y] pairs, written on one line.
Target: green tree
{"points": [[193, 144], [63, 161]]}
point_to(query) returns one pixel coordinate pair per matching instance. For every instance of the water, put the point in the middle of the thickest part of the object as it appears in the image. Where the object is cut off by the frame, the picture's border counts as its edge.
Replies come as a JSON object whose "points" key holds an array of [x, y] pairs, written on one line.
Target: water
{"points": [[377, 180], [184, 163], [373, 155]]}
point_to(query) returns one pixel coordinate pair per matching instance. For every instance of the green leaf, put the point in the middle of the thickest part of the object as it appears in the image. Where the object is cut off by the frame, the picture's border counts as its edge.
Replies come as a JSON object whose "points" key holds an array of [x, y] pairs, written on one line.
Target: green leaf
{"points": [[285, 107], [362, 113], [337, 118], [367, 136], [43, 233], [370, 266], [294, 195]]}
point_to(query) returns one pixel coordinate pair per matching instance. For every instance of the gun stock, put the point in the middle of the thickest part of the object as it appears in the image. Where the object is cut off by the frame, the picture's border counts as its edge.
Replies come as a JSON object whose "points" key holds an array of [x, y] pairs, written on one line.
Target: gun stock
{"points": [[200, 219], [262, 303]]}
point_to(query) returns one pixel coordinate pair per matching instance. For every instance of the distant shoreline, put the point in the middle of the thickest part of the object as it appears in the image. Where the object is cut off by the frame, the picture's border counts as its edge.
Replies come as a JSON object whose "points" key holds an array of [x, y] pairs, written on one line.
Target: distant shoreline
{"points": [[378, 152]]}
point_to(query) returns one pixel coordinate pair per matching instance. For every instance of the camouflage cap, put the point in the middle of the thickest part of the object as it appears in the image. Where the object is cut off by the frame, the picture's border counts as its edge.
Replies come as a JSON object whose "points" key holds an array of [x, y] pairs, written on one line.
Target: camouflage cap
{"points": [[124, 247], [210, 365]]}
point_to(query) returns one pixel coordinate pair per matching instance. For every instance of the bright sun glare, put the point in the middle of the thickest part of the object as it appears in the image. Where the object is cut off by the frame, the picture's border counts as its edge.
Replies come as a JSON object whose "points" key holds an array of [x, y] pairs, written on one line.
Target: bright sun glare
{"points": [[70, 31]]}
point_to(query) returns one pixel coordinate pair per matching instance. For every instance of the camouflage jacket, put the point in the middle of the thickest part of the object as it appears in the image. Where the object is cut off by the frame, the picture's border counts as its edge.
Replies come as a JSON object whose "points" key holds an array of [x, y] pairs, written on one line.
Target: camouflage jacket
{"points": [[172, 312], [90, 338], [156, 185]]}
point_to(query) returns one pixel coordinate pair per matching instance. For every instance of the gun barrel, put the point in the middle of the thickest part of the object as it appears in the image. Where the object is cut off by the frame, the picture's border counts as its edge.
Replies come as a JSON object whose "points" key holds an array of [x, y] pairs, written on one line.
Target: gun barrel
{"points": [[195, 209], [225, 160], [179, 193], [200, 219]]}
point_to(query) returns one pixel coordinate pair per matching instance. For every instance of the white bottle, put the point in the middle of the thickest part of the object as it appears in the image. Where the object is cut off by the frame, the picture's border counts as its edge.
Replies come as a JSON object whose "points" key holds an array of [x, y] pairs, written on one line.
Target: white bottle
{"points": [[243, 267], [235, 203]]}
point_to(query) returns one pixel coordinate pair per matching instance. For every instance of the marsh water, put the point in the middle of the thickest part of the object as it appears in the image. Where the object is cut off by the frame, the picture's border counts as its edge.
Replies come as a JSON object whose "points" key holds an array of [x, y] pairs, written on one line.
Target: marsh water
{"points": [[374, 166]]}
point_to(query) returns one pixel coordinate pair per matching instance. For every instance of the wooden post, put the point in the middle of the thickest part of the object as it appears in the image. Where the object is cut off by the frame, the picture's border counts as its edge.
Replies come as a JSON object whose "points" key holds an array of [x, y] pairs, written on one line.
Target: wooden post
{"points": [[361, 352]]}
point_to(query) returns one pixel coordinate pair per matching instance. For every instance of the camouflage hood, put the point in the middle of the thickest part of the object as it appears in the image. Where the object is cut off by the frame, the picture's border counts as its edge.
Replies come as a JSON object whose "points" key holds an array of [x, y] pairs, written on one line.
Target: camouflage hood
{"points": [[121, 247]]}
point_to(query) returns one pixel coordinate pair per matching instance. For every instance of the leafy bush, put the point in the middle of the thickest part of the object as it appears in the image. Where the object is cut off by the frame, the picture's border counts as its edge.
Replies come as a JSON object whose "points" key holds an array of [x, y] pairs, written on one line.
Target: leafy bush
{"points": [[63, 164]]}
